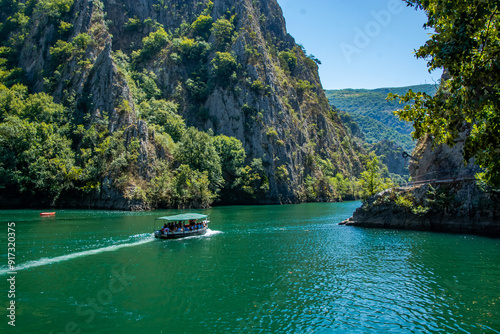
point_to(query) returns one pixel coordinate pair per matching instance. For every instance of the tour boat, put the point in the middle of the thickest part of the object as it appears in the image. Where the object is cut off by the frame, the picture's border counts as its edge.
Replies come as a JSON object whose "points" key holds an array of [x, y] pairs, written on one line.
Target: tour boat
{"points": [[43, 214], [181, 226]]}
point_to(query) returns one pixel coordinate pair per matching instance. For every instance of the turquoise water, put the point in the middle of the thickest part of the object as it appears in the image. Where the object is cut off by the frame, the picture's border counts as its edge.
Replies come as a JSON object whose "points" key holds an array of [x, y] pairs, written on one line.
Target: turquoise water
{"points": [[261, 269]]}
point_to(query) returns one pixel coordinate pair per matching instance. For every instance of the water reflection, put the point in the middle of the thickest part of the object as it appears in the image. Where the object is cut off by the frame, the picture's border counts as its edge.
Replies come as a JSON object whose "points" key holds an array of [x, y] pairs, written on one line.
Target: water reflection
{"points": [[273, 269]]}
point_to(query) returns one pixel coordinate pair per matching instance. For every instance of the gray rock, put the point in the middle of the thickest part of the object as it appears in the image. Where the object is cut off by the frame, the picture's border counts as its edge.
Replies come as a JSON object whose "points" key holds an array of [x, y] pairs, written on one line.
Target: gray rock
{"points": [[449, 202], [101, 89]]}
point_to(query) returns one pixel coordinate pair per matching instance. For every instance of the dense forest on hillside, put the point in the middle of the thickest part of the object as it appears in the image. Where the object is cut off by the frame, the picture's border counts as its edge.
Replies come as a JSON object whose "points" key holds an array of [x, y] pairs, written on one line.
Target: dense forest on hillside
{"points": [[178, 104], [371, 110]]}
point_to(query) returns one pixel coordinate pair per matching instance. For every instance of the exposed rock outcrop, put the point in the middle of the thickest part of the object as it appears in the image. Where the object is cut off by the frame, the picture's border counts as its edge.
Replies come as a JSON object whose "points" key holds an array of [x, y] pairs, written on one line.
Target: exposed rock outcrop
{"points": [[445, 197], [271, 99], [458, 207]]}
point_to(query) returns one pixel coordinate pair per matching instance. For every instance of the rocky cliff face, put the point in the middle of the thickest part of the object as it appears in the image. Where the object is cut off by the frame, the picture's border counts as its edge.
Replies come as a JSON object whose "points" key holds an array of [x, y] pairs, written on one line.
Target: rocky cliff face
{"points": [[238, 73], [444, 198], [441, 162]]}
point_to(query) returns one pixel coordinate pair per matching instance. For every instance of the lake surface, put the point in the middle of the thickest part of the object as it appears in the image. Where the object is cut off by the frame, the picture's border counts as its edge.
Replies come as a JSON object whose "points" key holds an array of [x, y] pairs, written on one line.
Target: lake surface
{"points": [[261, 269]]}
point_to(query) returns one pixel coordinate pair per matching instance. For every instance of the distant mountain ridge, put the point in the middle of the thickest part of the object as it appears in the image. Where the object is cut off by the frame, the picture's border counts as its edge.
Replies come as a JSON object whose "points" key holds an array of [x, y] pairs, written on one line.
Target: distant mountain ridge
{"points": [[370, 109]]}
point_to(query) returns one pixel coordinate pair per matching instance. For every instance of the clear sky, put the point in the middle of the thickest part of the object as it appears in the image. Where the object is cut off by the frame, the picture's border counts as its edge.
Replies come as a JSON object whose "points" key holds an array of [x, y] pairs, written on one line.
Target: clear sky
{"points": [[361, 43]]}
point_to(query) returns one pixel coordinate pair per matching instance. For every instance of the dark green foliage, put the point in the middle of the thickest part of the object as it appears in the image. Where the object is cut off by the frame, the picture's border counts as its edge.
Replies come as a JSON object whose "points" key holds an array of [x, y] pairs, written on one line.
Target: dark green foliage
{"points": [[191, 188], [82, 41], [375, 131], [232, 157], [38, 108], [35, 153], [303, 86], [35, 158], [201, 26], [191, 50], [133, 24], [196, 149], [164, 114], [153, 43], [467, 45], [223, 31], [224, 65], [146, 80], [253, 180], [231, 152], [198, 89], [61, 51], [288, 61], [326, 182], [54, 8]]}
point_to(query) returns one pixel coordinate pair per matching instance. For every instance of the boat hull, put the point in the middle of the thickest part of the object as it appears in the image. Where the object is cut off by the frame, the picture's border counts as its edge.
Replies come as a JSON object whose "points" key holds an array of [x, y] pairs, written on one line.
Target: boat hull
{"points": [[45, 214], [179, 235]]}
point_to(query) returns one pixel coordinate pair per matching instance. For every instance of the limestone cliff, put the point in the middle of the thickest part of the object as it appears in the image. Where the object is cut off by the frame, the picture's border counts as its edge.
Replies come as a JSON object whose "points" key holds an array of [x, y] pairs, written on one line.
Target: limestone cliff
{"points": [[444, 196], [229, 66]]}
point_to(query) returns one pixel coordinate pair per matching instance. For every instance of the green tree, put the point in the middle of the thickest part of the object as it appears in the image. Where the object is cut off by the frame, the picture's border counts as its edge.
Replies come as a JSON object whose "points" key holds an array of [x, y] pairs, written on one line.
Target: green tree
{"points": [[224, 64], [61, 51], [196, 149], [191, 49], [164, 114], [54, 8], [231, 152], [288, 61], [146, 81], [223, 31], [371, 181], [202, 25], [198, 89], [253, 180], [153, 43], [35, 159], [191, 187], [466, 43], [232, 156]]}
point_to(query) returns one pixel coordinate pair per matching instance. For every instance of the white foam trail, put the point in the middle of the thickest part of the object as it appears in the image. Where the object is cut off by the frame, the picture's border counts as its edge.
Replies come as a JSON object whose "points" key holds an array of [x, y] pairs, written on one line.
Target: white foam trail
{"points": [[45, 261], [211, 233]]}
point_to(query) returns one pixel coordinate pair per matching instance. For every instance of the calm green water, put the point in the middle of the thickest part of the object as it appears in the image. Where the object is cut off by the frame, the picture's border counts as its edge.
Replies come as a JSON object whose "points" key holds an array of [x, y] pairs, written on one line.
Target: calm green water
{"points": [[262, 269]]}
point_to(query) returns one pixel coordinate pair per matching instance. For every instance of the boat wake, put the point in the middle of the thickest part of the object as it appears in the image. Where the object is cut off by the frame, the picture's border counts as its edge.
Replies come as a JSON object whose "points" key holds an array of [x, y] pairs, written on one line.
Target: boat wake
{"points": [[211, 233], [130, 242]]}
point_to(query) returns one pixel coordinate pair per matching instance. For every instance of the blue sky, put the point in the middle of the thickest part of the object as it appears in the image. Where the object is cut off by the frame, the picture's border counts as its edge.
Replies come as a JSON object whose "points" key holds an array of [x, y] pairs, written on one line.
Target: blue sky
{"points": [[361, 43]]}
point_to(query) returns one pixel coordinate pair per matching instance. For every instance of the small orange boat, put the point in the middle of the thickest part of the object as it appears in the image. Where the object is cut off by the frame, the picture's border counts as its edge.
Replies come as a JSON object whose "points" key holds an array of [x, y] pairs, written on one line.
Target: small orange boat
{"points": [[47, 213]]}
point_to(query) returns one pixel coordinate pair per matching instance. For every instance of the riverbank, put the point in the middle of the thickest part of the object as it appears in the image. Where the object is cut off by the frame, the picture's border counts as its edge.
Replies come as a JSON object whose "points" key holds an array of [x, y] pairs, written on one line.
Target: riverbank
{"points": [[457, 207]]}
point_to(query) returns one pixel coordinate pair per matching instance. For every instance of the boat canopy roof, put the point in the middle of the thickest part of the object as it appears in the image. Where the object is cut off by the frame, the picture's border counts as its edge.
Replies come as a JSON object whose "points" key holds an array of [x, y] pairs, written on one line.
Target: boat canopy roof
{"points": [[184, 216]]}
